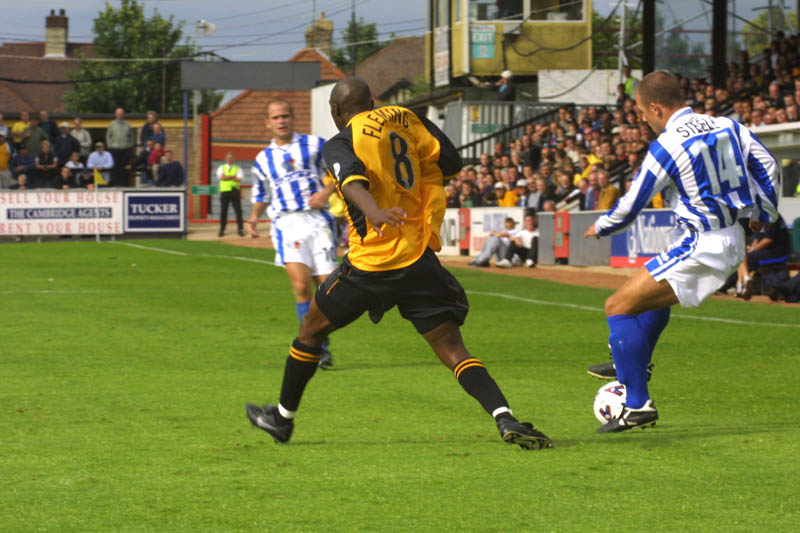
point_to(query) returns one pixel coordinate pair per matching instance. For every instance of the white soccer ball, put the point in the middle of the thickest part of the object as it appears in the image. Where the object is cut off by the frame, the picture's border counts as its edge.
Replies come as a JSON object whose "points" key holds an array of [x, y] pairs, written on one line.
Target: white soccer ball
{"points": [[608, 401]]}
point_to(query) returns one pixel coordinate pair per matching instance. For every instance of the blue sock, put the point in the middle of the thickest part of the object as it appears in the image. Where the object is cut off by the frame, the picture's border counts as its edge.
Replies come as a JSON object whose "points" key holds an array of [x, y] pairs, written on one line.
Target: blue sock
{"points": [[302, 309], [631, 350], [653, 323]]}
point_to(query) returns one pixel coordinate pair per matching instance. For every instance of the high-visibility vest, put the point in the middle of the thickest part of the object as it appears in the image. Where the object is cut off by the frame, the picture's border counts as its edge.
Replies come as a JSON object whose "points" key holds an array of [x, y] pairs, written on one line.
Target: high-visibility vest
{"points": [[229, 172]]}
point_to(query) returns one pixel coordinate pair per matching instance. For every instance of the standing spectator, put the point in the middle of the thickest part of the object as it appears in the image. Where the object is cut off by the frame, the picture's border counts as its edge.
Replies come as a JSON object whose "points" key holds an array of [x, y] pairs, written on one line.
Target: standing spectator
{"points": [[120, 139], [506, 91], [146, 132], [170, 174], [83, 138], [6, 152], [3, 127], [155, 157], [100, 162], [22, 162], [609, 193], [46, 167], [65, 144], [230, 177], [48, 126], [158, 135], [34, 137], [630, 81], [20, 128], [143, 166]]}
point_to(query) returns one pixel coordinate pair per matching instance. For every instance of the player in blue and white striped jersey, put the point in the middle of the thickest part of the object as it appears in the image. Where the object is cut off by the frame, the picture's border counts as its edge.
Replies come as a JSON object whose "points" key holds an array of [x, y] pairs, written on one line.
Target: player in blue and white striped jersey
{"points": [[289, 186], [715, 172]]}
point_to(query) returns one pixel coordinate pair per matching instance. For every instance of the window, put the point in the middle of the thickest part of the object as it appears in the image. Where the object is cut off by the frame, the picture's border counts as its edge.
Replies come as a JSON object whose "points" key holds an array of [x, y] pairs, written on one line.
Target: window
{"points": [[495, 9], [540, 10], [556, 10]]}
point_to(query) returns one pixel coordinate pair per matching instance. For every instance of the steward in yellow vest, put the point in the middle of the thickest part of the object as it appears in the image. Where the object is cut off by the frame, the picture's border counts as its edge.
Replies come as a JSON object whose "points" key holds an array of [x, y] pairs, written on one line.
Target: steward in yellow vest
{"points": [[230, 177]]}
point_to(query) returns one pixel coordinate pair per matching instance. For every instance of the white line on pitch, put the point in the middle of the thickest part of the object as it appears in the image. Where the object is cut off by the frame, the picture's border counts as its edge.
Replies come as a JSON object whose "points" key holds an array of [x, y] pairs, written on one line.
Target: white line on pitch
{"points": [[151, 248], [598, 309]]}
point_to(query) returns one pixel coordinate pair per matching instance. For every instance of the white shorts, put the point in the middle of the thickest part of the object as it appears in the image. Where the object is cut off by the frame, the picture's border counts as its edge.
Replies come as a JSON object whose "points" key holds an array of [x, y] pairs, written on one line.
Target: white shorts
{"points": [[305, 237], [699, 263]]}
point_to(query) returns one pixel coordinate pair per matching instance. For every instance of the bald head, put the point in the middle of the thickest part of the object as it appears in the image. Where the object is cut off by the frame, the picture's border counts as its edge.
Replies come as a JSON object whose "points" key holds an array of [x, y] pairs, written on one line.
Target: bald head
{"points": [[349, 97], [660, 87]]}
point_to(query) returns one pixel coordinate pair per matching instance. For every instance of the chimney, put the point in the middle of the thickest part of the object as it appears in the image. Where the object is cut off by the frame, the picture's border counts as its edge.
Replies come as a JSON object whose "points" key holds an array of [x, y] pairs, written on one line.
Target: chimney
{"points": [[320, 34], [56, 34]]}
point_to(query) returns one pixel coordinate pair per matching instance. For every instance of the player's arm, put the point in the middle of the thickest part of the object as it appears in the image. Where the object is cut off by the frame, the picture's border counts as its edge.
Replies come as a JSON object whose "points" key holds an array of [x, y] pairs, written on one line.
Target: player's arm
{"points": [[319, 198], [356, 192], [652, 177], [260, 200], [764, 175]]}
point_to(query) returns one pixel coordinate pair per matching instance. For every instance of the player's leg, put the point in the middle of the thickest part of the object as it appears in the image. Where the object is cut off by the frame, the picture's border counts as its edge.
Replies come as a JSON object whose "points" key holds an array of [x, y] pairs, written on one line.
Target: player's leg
{"points": [[236, 200], [224, 200], [631, 343], [434, 301], [302, 286]]}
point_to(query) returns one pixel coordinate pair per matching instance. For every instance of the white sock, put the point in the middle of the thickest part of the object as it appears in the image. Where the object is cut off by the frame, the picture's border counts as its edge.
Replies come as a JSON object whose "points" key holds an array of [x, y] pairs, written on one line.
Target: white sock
{"points": [[285, 413], [500, 410]]}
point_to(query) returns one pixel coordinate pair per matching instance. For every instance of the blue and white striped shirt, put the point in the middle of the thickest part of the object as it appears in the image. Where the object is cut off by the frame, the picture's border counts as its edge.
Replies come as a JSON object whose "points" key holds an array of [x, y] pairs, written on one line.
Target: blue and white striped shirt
{"points": [[289, 175], [715, 172]]}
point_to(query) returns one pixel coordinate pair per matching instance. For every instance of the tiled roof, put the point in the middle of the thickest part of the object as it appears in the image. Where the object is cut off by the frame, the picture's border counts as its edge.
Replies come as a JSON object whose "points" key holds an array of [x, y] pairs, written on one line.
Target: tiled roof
{"points": [[328, 71], [401, 60], [242, 119], [16, 97]]}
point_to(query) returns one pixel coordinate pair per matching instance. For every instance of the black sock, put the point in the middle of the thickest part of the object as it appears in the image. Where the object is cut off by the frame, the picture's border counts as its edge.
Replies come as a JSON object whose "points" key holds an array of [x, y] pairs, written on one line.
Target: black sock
{"points": [[300, 367], [474, 378]]}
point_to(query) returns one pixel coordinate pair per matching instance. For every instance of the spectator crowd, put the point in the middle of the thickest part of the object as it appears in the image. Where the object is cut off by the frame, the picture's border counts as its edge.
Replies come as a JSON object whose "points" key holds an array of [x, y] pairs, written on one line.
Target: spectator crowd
{"points": [[586, 158], [42, 154]]}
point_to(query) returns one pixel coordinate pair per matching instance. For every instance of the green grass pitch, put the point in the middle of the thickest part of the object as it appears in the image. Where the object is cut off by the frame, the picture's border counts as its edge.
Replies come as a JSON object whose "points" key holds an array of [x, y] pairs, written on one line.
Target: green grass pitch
{"points": [[125, 370]]}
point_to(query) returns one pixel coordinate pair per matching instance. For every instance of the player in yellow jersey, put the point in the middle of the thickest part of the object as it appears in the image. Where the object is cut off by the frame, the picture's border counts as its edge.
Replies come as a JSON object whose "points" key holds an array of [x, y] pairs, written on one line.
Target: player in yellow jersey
{"points": [[390, 166]]}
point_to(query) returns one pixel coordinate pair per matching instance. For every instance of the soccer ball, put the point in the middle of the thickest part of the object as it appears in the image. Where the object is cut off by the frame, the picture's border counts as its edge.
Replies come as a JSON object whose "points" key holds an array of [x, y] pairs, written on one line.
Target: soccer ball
{"points": [[608, 401]]}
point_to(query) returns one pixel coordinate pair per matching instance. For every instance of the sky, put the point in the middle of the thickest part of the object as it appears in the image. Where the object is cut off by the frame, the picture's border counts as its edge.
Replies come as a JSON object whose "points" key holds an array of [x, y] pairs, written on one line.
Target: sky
{"points": [[277, 26]]}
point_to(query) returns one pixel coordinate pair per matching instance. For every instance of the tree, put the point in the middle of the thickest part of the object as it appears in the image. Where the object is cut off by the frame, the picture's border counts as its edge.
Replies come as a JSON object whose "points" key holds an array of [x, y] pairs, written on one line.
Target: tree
{"points": [[755, 44], [349, 55], [125, 33], [605, 39]]}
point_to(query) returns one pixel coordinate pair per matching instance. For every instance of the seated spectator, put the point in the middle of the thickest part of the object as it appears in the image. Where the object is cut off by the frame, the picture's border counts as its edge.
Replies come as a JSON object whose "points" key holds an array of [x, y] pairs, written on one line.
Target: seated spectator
{"points": [[524, 246], [549, 206], [46, 173], [78, 170], [563, 186], [468, 196], [65, 179], [170, 174], [521, 190], [452, 195], [609, 193], [768, 250], [21, 183], [489, 198], [22, 162], [142, 165], [537, 198], [505, 198], [6, 154], [100, 162], [65, 144], [496, 244], [155, 157]]}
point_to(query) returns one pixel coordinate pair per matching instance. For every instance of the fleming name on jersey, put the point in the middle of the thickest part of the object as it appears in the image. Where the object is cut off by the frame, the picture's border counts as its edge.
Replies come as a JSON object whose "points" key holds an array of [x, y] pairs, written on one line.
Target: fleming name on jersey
{"points": [[402, 159]]}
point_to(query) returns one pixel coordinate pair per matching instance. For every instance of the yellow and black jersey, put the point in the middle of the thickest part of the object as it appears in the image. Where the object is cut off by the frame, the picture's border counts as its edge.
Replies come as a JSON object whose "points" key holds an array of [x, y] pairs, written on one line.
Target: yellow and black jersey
{"points": [[402, 159]]}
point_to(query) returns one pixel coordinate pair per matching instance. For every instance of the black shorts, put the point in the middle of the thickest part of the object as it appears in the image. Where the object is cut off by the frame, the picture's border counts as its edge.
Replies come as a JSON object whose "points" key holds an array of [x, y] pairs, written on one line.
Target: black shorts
{"points": [[424, 293]]}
